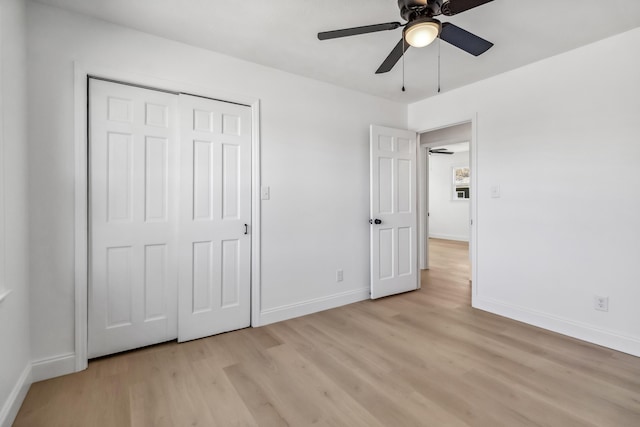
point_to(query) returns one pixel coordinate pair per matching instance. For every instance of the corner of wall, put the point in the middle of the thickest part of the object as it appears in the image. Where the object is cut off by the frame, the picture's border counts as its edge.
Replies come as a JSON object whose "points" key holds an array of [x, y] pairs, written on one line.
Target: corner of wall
{"points": [[52, 367], [15, 364], [12, 405]]}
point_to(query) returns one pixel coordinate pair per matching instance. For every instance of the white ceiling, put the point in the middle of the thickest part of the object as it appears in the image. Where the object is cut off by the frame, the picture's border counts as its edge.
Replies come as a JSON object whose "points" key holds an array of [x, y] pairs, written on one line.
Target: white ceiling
{"points": [[282, 34]]}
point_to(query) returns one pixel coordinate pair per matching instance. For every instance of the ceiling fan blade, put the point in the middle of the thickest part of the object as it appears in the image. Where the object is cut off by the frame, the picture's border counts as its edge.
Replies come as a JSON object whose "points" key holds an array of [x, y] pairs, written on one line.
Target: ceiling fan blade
{"points": [[464, 40], [440, 152], [395, 55], [358, 30], [453, 7]]}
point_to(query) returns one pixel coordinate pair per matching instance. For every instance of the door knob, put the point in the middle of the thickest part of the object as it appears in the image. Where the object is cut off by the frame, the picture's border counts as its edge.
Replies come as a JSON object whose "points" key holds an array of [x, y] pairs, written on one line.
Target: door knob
{"points": [[375, 221]]}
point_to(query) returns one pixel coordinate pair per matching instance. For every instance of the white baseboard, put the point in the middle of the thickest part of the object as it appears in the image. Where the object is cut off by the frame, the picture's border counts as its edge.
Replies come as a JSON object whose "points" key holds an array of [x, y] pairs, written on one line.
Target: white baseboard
{"points": [[52, 367], [448, 237], [18, 393], [579, 330], [290, 311]]}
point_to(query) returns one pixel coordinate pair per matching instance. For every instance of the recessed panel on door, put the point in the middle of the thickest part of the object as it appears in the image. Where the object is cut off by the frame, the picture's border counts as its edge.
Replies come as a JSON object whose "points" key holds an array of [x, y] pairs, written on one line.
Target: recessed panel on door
{"points": [[203, 180], [231, 181], [119, 284], [404, 145], [203, 121], [119, 109], [157, 115], [231, 265], [405, 186], [202, 281], [231, 124], [119, 176], [155, 282], [385, 185], [405, 252], [386, 253], [156, 179], [385, 143]]}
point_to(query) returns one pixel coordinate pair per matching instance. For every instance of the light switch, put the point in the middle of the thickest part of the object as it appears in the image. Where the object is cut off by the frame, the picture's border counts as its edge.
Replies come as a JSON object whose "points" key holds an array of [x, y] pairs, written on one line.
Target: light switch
{"points": [[265, 193], [495, 191]]}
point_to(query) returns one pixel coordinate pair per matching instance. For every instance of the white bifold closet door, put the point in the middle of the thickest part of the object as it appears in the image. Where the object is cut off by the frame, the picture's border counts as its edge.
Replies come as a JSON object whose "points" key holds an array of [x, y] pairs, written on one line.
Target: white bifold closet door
{"points": [[168, 254], [133, 283], [215, 212]]}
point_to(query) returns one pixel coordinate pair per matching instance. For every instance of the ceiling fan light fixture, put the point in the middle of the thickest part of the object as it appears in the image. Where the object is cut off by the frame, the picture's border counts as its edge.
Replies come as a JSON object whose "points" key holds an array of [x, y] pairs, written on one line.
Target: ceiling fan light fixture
{"points": [[422, 32]]}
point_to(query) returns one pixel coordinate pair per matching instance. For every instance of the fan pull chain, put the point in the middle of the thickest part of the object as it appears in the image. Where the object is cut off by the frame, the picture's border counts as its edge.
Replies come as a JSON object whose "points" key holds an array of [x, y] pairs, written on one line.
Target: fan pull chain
{"points": [[403, 50], [439, 43]]}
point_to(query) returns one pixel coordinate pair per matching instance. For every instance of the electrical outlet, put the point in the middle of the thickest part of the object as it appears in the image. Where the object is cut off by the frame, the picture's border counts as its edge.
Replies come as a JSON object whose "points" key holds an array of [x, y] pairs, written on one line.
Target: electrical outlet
{"points": [[339, 275], [601, 303]]}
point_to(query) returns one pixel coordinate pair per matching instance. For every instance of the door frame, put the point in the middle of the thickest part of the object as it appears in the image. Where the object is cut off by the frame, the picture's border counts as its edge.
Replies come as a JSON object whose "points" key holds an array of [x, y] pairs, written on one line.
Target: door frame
{"points": [[82, 72], [422, 189]]}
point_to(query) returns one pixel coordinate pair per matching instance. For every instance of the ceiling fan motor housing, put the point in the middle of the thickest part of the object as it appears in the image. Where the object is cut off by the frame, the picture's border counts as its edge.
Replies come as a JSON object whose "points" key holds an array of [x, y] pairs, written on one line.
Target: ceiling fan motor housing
{"points": [[411, 9]]}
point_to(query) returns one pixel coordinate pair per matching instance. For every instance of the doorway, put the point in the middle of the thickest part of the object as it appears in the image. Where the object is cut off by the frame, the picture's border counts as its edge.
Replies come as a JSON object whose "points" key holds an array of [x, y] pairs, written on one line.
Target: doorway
{"points": [[446, 194], [169, 216]]}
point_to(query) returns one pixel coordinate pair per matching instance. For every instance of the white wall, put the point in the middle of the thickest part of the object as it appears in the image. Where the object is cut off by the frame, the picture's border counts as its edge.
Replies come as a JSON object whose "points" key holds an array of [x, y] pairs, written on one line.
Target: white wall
{"points": [[448, 218], [560, 137], [15, 366], [315, 158]]}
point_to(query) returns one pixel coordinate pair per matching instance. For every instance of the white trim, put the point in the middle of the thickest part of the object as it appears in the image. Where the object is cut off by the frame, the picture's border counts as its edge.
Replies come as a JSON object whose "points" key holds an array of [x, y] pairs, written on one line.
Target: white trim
{"points": [[3, 169], [16, 397], [473, 207], [449, 237], [81, 252], [52, 367], [571, 328], [81, 71], [423, 205], [315, 305], [256, 215]]}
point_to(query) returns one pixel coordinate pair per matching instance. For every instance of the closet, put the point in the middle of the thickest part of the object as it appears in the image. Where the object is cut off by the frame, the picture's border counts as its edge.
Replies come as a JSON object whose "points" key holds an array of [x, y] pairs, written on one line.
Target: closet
{"points": [[169, 217]]}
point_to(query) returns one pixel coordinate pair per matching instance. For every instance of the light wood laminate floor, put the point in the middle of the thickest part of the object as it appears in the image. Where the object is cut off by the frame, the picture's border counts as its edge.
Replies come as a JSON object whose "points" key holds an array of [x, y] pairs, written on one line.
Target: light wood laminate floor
{"points": [[424, 358]]}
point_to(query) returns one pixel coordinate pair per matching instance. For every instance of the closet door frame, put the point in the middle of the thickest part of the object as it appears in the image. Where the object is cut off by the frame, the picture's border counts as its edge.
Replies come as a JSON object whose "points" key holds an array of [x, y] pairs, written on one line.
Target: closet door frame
{"points": [[82, 73]]}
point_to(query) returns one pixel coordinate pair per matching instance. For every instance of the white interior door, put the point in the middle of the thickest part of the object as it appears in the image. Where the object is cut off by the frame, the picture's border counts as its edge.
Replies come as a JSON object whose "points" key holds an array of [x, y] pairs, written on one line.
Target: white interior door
{"points": [[394, 236], [215, 217], [133, 217]]}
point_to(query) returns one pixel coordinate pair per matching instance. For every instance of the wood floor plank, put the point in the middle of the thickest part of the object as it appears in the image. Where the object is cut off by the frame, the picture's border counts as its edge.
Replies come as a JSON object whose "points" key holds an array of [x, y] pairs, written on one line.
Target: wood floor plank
{"points": [[363, 380], [229, 409], [423, 358], [256, 396]]}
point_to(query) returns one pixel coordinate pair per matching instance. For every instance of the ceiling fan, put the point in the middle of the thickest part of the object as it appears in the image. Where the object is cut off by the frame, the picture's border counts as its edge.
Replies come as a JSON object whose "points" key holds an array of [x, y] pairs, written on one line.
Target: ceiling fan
{"points": [[422, 28], [439, 151]]}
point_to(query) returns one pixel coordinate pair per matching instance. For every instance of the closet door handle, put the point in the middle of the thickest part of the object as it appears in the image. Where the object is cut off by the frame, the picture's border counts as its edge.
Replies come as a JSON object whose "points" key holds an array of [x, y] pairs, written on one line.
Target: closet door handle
{"points": [[246, 229]]}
